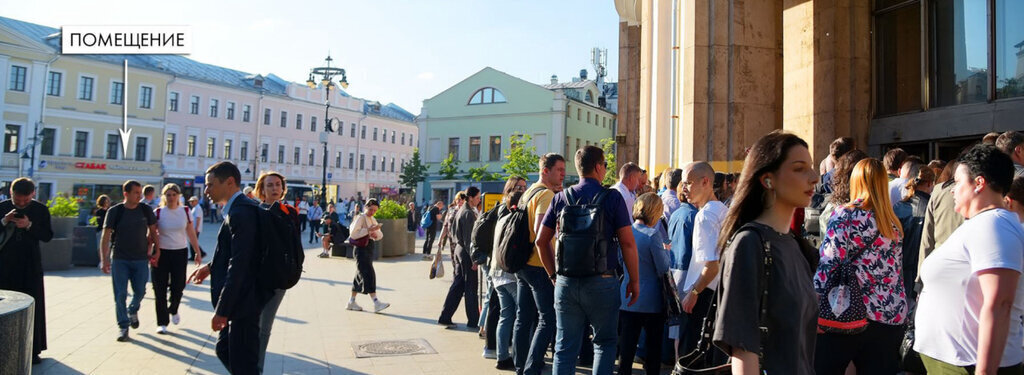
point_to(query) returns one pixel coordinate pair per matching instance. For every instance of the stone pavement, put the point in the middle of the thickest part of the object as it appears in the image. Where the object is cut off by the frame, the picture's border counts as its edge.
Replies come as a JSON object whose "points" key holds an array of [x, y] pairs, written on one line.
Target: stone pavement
{"points": [[313, 333]]}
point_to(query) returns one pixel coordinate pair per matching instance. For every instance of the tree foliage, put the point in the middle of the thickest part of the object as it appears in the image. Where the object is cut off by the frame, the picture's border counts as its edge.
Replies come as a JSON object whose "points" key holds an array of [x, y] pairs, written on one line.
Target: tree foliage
{"points": [[479, 174], [608, 145], [449, 168], [521, 159], [413, 171]]}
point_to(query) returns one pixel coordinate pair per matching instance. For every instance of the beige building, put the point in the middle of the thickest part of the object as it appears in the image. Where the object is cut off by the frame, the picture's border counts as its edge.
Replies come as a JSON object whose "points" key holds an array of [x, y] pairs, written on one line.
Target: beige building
{"points": [[703, 79]]}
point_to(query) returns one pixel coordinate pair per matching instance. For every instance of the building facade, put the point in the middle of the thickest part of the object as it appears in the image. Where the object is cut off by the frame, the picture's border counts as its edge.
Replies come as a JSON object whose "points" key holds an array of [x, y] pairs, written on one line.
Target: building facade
{"points": [[703, 79], [63, 115], [475, 119]]}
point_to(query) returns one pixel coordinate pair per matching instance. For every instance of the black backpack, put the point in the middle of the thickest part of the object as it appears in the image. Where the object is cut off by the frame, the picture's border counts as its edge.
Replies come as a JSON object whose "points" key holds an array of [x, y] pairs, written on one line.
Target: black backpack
{"points": [[514, 247], [582, 247], [280, 248], [482, 239]]}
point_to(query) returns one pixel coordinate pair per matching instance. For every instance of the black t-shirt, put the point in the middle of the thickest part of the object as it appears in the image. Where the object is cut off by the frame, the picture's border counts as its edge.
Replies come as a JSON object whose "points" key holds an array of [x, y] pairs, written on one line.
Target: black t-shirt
{"points": [[130, 238], [792, 302], [435, 222]]}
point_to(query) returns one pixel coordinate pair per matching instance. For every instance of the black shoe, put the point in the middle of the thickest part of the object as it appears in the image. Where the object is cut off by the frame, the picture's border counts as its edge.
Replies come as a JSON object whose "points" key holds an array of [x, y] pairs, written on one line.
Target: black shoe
{"points": [[135, 320], [36, 360], [448, 324], [506, 364]]}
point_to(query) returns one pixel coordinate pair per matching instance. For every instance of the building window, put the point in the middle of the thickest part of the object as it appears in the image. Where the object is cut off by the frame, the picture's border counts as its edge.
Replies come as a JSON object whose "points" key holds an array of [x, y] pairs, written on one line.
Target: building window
{"points": [[116, 93], [403, 138], [263, 153], [362, 162], [53, 87], [898, 60], [81, 143], [312, 124], [312, 156], [85, 86], [487, 95], [193, 105], [577, 143], [12, 134], [362, 132], [1009, 49], [373, 163], [266, 116], [295, 156], [495, 148], [243, 153], [227, 149], [214, 105], [589, 97], [284, 119], [231, 110], [190, 148], [337, 160], [351, 160], [959, 57], [383, 160], [280, 154], [588, 117], [579, 112], [392, 165], [353, 135], [210, 144], [141, 148], [246, 109], [17, 81], [392, 137], [169, 150], [375, 134], [47, 146], [410, 140], [113, 143], [173, 102], [474, 148], [146, 97], [298, 121], [453, 147]]}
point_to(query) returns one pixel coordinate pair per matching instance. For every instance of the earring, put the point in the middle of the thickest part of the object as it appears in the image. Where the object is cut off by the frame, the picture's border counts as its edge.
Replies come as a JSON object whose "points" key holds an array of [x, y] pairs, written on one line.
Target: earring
{"points": [[768, 182]]}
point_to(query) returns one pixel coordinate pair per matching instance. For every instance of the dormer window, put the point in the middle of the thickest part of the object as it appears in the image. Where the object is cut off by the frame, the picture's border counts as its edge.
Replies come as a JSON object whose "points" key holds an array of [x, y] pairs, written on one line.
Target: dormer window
{"points": [[487, 95], [590, 97]]}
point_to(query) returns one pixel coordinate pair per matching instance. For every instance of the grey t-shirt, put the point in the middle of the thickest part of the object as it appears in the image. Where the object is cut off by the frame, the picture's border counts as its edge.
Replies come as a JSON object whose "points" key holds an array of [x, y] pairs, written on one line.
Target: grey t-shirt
{"points": [[792, 303], [129, 240]]}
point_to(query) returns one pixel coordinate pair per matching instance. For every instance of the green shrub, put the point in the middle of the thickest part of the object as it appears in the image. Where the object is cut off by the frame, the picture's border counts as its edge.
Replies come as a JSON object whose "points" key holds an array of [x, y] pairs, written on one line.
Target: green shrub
{"points": [[390, 209], [63, 207]]}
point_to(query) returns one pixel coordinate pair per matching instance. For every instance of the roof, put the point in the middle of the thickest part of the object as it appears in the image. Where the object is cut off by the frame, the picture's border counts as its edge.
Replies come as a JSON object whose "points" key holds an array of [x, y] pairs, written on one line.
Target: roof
{"points": [[568, 85], [611, 90], [391, 110]]}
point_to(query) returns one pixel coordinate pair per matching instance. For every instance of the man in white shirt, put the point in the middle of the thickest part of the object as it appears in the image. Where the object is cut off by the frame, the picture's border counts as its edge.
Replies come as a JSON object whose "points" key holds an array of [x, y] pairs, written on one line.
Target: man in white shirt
{"points": [[629, 181], [703, 272]]}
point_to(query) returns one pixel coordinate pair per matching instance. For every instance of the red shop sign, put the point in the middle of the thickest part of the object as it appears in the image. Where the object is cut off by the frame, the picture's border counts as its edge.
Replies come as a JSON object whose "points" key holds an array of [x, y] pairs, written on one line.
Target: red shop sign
{"points": [[83, 165]]}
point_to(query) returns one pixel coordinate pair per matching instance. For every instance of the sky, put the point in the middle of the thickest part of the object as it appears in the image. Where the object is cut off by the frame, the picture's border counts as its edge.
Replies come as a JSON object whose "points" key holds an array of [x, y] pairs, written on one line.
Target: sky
{"points": [[400, 51]]}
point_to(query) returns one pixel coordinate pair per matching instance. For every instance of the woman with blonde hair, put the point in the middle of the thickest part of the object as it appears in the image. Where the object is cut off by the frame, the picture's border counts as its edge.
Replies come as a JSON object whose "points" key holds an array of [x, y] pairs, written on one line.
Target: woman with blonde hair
{"points": [[862, 301], [175, 230], [648, 313]]}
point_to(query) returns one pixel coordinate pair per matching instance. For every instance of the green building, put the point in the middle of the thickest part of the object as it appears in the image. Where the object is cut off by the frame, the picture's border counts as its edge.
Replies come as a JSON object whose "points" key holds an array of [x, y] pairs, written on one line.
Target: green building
{"points": [[475, 119]]}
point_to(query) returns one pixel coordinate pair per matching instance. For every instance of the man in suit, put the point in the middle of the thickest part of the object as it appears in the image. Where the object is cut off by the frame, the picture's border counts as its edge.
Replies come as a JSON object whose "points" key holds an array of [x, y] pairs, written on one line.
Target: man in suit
{"points": [[237, 298]]}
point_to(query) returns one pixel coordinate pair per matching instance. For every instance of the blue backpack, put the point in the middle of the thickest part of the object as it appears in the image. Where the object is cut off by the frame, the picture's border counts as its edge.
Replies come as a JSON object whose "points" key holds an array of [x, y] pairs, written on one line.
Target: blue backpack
{"points": [[426, 220]]}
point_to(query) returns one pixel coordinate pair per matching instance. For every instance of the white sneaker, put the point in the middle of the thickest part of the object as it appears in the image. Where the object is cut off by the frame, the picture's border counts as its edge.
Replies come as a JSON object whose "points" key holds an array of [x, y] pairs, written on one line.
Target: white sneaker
{"points": [[490, 354], [176, 319], [379, 306], [161, 330], [353, 306]]}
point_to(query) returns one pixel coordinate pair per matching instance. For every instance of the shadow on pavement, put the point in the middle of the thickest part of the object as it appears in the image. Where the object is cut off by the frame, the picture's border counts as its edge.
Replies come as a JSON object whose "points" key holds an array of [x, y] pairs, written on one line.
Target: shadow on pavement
{"points": [[55, 367], [169, 349], [415, 319], [290, 320]]}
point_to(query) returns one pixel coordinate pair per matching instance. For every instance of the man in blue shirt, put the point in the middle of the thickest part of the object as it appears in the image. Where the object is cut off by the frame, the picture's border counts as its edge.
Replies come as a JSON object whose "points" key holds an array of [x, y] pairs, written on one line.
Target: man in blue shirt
{"points": [[593, 298], [680, 232]]}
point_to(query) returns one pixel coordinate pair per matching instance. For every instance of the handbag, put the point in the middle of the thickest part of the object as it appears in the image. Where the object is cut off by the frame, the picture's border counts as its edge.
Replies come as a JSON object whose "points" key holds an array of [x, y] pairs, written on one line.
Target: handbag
{"points": [[841, 308], [360, 242], [437, 269], [910, 359], [670, 294], [709, 359]]}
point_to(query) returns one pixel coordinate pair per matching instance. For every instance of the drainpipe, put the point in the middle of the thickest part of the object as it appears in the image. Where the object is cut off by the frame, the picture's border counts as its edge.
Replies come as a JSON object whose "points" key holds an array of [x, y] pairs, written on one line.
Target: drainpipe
{"points": [[42, 115]]}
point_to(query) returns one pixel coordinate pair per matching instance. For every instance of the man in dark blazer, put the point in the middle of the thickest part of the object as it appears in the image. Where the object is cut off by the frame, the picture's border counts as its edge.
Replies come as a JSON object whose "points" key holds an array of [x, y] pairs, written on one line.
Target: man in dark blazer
{"points": [[237, 298]]}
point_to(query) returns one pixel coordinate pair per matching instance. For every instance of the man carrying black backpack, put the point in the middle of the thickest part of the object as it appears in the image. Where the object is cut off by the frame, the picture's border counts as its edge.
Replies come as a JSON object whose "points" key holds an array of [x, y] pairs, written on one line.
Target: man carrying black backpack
{"points": [[587, 283]]}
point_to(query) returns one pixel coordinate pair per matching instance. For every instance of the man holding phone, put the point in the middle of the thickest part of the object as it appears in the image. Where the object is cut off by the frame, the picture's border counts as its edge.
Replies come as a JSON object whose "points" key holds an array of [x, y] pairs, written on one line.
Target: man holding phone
{"points": [[130, 229], [25, 223]]}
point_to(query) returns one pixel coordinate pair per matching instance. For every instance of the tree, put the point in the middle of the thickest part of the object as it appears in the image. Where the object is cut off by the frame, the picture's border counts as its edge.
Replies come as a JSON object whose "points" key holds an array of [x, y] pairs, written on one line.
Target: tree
{"points": [[449, 168], [521, 159], [608, 145], [480, 174], [413, 171]]}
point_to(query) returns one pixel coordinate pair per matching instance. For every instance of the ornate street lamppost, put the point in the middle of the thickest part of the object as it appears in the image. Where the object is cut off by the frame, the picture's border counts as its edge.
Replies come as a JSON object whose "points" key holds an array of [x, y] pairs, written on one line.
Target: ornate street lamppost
{"points": [[327, 74]]}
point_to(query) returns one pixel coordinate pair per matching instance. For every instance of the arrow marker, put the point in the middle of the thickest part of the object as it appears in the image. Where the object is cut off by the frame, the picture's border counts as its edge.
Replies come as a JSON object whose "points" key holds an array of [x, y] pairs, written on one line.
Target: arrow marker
{"points": [[126, 133]]}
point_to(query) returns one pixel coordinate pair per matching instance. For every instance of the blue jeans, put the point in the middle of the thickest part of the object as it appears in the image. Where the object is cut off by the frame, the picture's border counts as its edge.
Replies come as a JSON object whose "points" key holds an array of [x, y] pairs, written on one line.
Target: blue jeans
{"points": [[507, 298], [266, 323], [122, 271], [578, 300], [534, 298], [487, 287]]}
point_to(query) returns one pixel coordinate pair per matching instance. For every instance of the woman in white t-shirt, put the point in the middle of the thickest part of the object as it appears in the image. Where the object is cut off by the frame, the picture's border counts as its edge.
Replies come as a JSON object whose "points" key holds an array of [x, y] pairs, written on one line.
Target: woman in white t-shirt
{"points": [[364, 231], [969, 312], [197, 223], [175, 230]]}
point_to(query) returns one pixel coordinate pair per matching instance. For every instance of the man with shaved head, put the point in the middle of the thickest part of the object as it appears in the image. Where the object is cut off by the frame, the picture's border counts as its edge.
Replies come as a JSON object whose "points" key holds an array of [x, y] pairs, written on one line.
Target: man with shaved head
{"points": [[702, 273], [629, 180]]}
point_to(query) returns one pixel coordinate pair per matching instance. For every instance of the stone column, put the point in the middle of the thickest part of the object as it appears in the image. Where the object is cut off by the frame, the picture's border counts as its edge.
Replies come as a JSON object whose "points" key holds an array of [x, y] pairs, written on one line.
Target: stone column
{"points": [[17, 318]]}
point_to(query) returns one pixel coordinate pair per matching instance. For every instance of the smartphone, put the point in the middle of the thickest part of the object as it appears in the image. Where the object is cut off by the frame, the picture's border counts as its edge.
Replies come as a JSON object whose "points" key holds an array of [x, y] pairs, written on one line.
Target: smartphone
{"points": [[19, 215]]}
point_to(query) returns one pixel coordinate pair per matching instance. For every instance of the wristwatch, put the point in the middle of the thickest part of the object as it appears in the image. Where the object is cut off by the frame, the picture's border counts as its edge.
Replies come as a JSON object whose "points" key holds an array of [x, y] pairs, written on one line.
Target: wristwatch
{"points": [[694, 292]]}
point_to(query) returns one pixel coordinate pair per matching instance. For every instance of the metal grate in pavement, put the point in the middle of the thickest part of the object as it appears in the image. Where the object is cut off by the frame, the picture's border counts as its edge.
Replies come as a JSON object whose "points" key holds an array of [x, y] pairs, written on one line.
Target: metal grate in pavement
{"points": [[391, 348]]}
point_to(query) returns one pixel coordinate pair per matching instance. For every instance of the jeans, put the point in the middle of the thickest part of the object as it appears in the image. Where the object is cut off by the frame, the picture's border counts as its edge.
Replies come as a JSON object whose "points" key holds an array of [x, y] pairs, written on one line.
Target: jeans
{"points": [[487, 301], [507, 298], [428, 243], [121, 272], [266, 323], [169, 272], [314, 226], [535, 298], [577, 300]]}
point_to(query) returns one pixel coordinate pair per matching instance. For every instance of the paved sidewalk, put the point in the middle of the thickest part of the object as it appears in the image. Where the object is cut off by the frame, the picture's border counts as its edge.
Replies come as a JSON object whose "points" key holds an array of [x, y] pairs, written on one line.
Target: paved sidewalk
{"points": [[313, 333]]}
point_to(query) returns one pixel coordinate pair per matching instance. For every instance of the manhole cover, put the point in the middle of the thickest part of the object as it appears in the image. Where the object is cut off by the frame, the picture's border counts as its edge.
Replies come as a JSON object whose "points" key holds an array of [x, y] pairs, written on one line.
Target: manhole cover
{"points": [[389, 348]]}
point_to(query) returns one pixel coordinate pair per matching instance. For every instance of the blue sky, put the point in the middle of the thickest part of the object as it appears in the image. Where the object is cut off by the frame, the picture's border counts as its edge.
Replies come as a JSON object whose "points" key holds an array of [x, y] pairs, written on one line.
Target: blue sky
{"points": [[394, 51]]}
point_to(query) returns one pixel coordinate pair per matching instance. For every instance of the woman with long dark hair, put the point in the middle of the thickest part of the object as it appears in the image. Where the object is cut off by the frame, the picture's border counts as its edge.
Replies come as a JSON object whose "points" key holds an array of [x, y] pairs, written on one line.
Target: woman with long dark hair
{"points": [[840, 185], [504, 288], [778, 177], [366, 230]]}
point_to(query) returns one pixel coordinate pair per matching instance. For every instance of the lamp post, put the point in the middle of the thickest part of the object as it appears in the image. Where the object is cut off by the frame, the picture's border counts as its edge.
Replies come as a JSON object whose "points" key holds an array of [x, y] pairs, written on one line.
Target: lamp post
{"points": [[327, 75]]}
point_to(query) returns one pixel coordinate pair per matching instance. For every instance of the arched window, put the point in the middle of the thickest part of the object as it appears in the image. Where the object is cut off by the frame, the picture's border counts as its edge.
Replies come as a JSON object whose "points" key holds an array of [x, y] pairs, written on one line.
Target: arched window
{"points": [[589, 97], [487, 95]]}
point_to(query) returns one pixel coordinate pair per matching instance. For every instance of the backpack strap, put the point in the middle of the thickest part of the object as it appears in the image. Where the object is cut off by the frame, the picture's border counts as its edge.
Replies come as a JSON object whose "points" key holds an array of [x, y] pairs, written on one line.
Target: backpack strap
{"points": [[188, 215], [599, 198], [570, 198], [530, 197], [158, 213], [764, 277]]}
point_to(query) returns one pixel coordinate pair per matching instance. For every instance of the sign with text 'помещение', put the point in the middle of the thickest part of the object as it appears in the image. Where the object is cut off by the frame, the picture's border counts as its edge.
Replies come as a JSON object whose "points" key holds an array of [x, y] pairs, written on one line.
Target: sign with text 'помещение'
{"points": [[138, 39]]}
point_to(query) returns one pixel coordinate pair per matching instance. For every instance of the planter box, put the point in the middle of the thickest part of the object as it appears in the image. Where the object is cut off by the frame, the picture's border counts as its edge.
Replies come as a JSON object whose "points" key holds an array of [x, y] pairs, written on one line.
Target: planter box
{"points": [[63, 227], [85, 249], [56, 254], [410, 242], [394, 242]]}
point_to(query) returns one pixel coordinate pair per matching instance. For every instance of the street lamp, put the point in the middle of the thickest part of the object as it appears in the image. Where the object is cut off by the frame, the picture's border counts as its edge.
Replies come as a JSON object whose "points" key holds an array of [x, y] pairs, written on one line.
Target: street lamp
{"points": [[327, 75]]}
